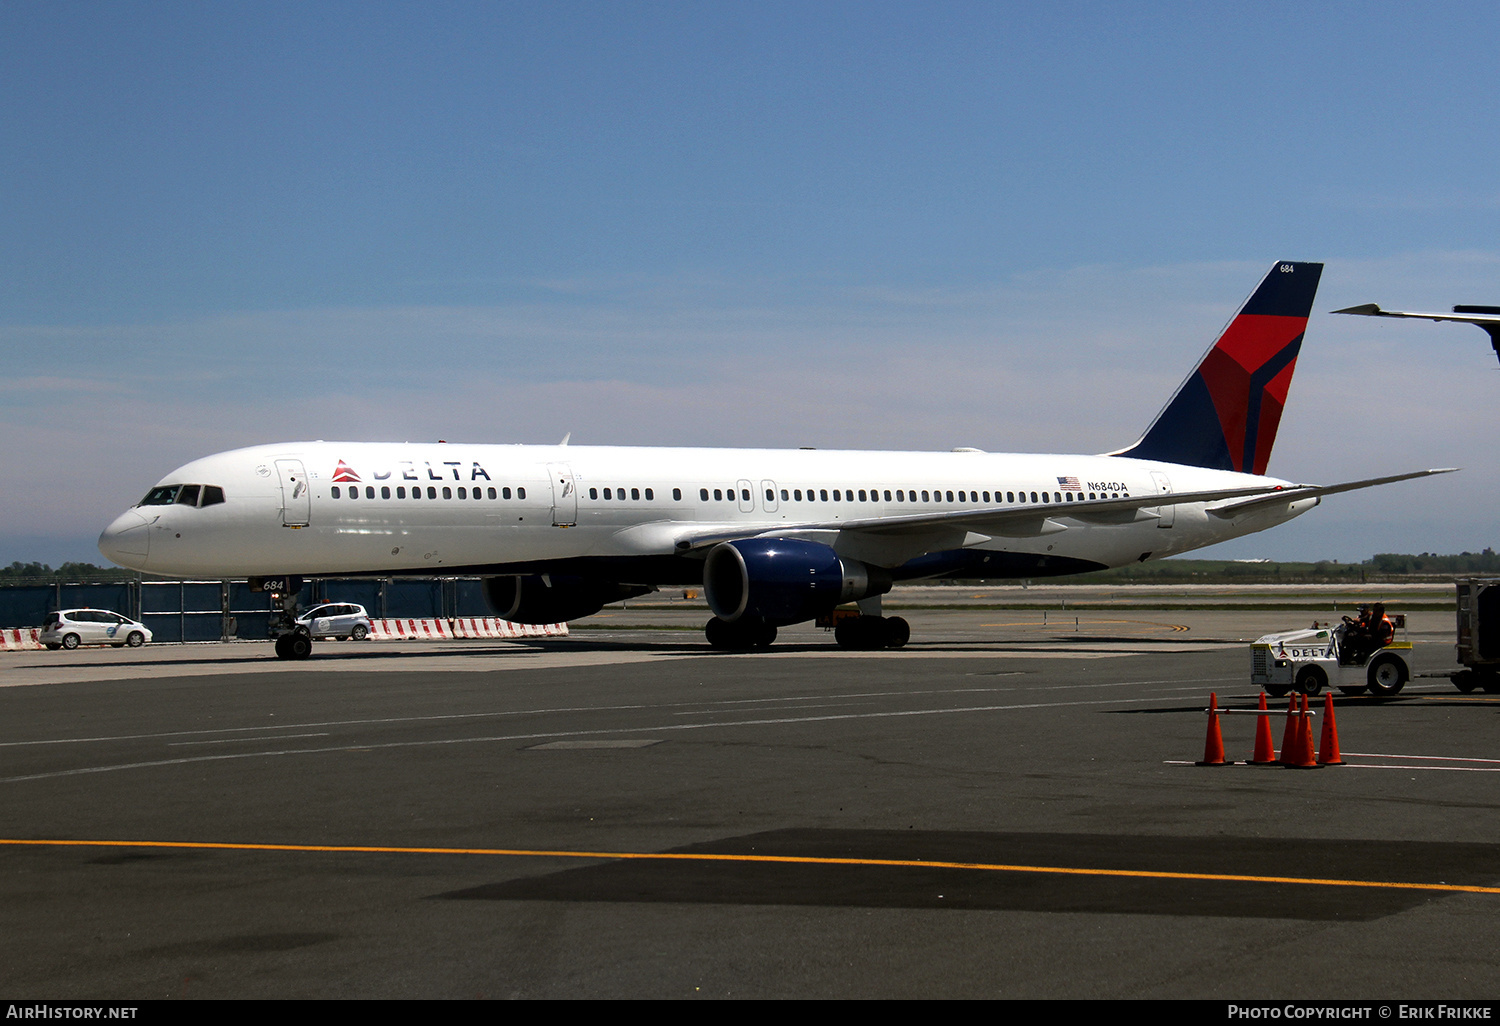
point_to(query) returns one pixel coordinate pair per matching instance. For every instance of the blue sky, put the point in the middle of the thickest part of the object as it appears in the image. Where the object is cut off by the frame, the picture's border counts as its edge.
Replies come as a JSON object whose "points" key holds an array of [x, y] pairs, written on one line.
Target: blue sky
{"points": [[869, 225]]}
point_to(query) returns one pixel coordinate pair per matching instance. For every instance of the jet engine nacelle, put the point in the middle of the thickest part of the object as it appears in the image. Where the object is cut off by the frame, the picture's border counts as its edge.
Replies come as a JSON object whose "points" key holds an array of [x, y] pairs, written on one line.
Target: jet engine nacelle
{"points": [[784, 580], [551, 598]]}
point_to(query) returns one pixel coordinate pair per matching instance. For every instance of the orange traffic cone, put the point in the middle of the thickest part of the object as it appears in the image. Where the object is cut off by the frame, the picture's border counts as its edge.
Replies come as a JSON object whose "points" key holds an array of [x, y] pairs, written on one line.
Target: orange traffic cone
{"points": [[1265, 751], [1302, 755], [1289, 732], [1213, 747], [1328, 747]]}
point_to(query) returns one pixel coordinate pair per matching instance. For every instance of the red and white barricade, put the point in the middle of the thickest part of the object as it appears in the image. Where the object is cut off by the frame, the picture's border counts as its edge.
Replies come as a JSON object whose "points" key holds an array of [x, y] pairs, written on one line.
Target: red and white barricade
{"points": [[16, 639], [463, 627]]}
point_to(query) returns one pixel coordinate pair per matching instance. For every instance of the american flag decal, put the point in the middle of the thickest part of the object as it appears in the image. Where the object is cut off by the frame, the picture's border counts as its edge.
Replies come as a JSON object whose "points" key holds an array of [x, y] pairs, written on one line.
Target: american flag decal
{"points": [[1069, 484]]}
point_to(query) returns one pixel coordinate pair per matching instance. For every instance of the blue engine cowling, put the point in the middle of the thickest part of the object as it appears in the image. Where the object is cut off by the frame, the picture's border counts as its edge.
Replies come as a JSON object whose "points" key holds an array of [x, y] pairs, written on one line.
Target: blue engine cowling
{"points": [[784, 580], [536, 599]]}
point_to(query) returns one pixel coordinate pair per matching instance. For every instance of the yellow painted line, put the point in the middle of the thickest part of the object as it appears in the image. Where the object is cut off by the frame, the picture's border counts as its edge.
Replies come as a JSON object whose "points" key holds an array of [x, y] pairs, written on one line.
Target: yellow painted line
{"points": [[779, 859]]}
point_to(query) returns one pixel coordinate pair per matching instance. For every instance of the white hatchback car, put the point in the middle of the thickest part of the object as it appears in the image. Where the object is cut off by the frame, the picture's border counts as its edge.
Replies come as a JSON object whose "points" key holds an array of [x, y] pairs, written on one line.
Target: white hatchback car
{"points": [[69, 628], [341, 620]]}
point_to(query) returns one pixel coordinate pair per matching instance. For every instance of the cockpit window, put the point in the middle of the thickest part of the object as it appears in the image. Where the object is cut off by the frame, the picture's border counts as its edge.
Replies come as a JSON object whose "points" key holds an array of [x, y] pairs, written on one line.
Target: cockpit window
{"points": [[184, 495], [163, 495]]}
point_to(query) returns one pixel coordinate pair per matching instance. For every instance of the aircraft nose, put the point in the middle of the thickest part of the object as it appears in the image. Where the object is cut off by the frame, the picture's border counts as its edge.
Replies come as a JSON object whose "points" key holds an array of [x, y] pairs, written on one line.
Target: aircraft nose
{"points": [[126, 541]]}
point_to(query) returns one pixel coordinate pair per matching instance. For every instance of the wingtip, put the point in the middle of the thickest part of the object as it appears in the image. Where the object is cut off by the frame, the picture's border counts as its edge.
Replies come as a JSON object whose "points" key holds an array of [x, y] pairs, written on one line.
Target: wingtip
{"points": [[1368, 309]]}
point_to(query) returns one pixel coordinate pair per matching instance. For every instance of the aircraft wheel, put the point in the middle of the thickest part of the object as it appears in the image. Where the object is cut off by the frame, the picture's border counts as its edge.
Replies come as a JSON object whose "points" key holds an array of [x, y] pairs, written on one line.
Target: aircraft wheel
{"points": [[729, 637], [299, 646], [281, 649], [1311, 681], [896, 632], [1387, 675], [70, 641], [765, 635], [862, 633]]}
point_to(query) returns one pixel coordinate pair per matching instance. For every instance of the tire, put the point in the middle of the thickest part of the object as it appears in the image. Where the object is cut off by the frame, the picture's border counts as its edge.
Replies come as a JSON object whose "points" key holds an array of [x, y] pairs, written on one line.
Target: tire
{"points": [[1311, 681], [360, 632], [1466, 681], [1278, 690], [1356, 689], [136, 639], [281, 649], [70, 641], [298, 646], [728, 637], [1490, 681], [53, 647], [896, 632], [1387, 675]]}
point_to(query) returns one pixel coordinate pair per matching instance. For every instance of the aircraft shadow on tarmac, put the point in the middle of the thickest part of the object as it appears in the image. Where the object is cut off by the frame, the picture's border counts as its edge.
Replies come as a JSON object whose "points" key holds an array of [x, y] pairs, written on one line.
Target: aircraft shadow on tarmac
{"points": [[884, 886]]}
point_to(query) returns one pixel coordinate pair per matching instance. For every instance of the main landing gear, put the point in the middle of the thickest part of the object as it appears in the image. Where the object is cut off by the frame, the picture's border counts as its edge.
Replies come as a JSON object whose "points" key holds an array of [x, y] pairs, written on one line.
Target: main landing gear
{"points": [[872, 632], [739, 635], [864, 633]]}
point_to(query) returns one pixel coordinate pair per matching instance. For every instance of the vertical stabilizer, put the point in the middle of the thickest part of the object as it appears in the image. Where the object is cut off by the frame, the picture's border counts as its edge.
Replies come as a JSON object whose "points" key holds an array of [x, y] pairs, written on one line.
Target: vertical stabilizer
{"points": [[1225, 415]]}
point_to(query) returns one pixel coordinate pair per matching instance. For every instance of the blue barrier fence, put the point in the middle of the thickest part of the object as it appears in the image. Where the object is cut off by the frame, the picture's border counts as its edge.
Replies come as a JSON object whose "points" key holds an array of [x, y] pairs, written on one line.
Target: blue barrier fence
{"points": [[218, 610]]}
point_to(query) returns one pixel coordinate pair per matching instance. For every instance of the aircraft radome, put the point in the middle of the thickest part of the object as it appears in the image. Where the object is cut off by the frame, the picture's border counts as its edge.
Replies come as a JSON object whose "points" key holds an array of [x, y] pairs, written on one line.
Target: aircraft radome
{"points": [[775, 537]]}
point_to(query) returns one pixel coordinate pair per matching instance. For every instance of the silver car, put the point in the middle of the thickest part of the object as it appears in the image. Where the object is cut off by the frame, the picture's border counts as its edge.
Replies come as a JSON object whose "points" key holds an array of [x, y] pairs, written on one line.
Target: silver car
{"points": [[341, 620], [69, 628]]}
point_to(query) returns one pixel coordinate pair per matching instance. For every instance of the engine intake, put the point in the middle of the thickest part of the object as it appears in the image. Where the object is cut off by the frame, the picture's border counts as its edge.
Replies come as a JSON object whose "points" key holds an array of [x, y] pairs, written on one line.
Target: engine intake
{"points": [[784, 580]]}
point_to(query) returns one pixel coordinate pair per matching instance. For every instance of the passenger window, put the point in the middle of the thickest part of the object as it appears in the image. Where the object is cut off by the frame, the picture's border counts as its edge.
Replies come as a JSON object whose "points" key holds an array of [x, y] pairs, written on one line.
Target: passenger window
{"points": [[431, 492], [369, 491], [335, 493], [609, 493], [520, 493], [649, 496], [447, 492], [887, 495], [718, 495], [505, 493], [463, 493], [676, 494], [823, 494], [635, 493], [385, 492], [744, 495], [702, 494], [861, 495]]}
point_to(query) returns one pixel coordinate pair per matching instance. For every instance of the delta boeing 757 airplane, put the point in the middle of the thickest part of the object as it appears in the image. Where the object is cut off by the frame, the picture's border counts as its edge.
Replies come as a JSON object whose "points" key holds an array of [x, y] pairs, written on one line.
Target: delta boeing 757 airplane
{"points": [[775, 537]]}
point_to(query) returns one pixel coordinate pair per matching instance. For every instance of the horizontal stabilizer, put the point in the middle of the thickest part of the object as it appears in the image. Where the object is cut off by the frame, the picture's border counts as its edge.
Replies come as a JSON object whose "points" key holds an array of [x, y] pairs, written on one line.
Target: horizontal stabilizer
{"points": [[1298, 492], [1487, 318]]}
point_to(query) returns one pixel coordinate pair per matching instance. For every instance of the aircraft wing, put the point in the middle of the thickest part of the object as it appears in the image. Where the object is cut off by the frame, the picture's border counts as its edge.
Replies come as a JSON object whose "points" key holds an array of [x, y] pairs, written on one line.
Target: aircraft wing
{"points": [[1486, 317], [1039, 518]]}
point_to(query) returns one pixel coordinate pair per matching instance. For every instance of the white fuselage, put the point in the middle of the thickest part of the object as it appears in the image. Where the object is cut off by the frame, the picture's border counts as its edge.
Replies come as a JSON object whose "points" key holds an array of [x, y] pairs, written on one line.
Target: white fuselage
{"points": [[351, 508]]}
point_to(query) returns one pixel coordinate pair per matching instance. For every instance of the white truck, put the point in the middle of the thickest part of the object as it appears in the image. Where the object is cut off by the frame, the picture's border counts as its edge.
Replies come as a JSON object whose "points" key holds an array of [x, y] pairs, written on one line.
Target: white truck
{"points": [[1313, 659]]}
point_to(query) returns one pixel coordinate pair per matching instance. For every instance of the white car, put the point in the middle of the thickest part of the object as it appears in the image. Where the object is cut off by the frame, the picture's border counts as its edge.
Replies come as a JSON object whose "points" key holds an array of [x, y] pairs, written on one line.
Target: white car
{"points": [[69, 628], [341, 620]]}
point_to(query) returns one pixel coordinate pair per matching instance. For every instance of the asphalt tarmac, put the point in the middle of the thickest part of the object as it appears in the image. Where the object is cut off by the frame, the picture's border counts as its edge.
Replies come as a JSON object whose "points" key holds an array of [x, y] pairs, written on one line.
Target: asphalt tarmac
{"points": [[1006, 808]]}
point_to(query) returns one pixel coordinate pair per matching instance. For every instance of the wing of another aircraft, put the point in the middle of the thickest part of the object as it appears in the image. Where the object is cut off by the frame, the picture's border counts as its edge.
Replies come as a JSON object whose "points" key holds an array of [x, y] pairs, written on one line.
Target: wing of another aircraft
{"points": [[1033, 520], [1486, 317]]}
